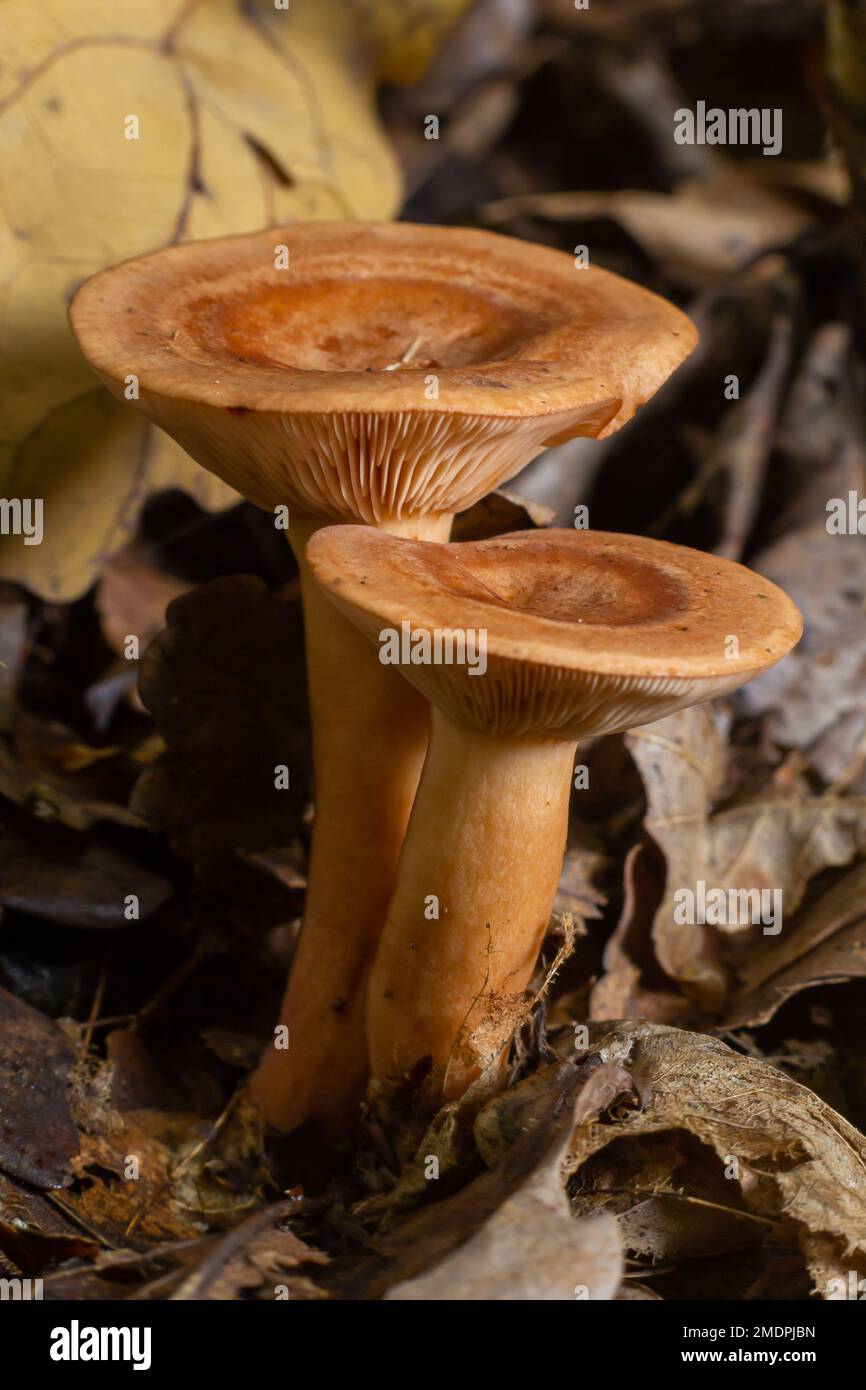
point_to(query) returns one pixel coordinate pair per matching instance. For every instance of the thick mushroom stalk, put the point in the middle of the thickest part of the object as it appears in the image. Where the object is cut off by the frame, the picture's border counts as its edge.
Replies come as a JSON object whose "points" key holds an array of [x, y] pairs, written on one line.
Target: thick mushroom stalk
{"points": [[472, 903], [375, 373], [370, 735], [585, 633]]}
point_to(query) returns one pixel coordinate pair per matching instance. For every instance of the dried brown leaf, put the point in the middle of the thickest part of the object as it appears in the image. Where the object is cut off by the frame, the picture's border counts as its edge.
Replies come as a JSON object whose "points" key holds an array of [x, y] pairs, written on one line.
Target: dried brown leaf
{"points": [[632, 985], [498, 513], [38, 1137], [814, 699], [258, 1254], [35, 776], [225, 684], [776, 841], [529, 1245], [799, 1166], [131, 599], [577, 892], [52, 875], [682, 760], [826, 944], [705, 229]]}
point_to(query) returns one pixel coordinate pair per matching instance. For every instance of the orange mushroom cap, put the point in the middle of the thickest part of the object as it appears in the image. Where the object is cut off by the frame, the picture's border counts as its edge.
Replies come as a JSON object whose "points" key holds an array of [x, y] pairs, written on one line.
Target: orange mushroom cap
{"points": [[389, 369], [585, 632]]}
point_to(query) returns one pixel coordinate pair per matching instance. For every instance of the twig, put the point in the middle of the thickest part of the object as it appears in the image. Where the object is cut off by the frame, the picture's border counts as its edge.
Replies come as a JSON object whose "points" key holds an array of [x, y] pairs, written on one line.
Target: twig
{"points": [[72, 1215], [241, 1236], [99, 994]]}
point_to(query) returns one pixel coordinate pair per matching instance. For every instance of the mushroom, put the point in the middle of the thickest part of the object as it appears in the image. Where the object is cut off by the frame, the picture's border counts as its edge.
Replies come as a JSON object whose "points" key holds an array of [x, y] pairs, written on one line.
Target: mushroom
{"points": [[381, 373], [584, 633]]}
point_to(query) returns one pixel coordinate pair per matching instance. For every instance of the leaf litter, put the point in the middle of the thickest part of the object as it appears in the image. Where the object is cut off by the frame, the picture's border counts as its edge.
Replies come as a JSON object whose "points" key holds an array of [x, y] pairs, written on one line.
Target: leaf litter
{"points": [[723, 1117]]}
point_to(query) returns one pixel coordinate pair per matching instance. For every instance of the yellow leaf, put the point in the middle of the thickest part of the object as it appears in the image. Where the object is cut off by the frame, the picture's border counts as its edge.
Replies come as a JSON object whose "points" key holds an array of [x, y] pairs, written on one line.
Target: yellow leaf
{"points": [[406, 33], [128, 127]]}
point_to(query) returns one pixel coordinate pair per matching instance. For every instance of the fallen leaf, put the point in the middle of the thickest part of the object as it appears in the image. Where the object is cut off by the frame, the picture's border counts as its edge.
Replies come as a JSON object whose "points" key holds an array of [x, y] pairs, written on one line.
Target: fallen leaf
{"points": [[577, 893], [136, 1081], [32, 776], [813, 700], [825, 944], [225, 684], [796, 1165], [776, 841], [406, 33], [741, 450], [147, 1175], [445, 1241], [819, 423], [126, 1188], [38, 1137], [705, 229], [682, 760], [247, 116], [633, 985], [498, 513], [692, 1213], [533, 1249], [257, 1254], [114, 1275], [53, 876], [131, 599], [33, 1234]]}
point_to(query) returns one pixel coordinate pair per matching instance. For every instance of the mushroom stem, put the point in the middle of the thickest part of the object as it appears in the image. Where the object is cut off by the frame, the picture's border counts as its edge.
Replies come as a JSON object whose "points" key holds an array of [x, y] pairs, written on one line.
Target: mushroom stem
{"points": [[484, 848], [370, 734]]}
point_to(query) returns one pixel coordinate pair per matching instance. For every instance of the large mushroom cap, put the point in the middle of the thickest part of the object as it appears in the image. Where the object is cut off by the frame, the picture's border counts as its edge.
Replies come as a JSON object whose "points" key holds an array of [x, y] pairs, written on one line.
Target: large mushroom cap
{"points": [[387, 369], [584, 631]]}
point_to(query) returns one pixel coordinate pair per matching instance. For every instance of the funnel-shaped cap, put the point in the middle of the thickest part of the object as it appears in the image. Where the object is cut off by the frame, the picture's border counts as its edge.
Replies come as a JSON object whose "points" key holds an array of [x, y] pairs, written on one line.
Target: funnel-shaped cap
{"points": [[371, 372], [557, 633]]}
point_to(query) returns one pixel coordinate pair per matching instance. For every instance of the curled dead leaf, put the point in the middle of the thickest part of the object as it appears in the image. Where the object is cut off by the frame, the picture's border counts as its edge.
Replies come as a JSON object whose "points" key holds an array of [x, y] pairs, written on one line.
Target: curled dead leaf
{"points": [[792, 1163], [508, 1234], [775, 842]]}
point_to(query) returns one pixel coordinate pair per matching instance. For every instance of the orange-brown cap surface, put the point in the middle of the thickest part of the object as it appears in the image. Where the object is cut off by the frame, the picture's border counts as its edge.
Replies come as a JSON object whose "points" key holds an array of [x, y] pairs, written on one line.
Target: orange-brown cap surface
{"points": [[584, 632], [370, 371]]}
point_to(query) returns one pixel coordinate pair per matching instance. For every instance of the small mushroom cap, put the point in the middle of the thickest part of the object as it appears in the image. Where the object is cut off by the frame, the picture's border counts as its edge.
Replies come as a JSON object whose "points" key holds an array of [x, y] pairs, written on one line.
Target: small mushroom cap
{"points": [[584, 632], [390, 369]]}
